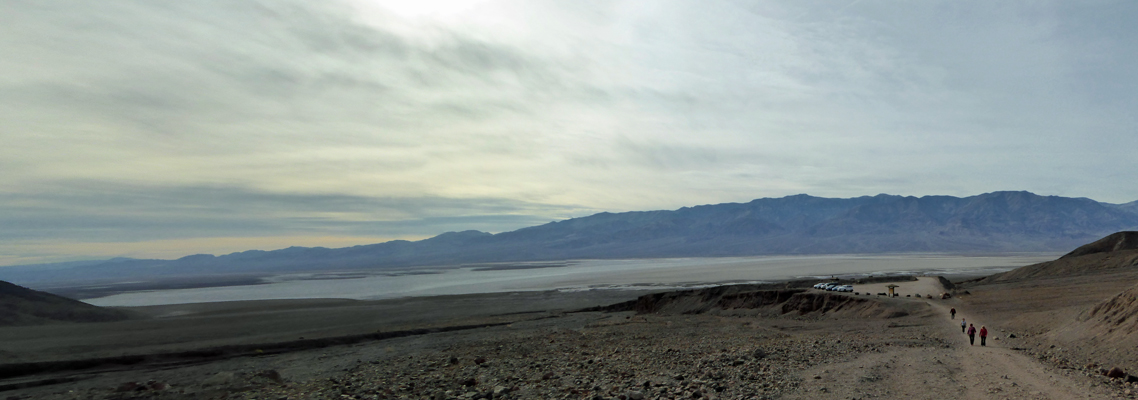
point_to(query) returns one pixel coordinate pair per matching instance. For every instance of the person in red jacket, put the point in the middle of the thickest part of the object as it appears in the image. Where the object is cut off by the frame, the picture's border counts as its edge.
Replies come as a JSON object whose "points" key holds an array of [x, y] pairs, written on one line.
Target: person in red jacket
{"points": [[953, 312], [971, 334], [983, 335]]}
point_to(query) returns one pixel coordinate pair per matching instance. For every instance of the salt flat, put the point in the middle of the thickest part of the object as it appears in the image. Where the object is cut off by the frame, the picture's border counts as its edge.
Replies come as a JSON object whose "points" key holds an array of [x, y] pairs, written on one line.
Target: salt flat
{"points": [[634, 274]]}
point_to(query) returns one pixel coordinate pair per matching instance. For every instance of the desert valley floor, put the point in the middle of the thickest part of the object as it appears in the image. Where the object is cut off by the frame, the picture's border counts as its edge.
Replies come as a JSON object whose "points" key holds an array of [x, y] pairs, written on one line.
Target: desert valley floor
{"points": [[1056, 332]]}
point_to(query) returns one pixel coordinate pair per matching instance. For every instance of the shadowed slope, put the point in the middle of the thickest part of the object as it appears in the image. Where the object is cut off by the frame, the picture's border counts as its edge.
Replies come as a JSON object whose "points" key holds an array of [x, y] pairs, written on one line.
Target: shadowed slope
{"points": [[1116, 251], [793, 301], [23, 306], [1127, 240]]}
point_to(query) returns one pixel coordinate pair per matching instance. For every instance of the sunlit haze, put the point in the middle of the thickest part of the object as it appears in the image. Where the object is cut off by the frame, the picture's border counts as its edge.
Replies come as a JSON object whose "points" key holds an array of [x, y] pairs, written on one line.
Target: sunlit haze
{"points": [[159, 129]]}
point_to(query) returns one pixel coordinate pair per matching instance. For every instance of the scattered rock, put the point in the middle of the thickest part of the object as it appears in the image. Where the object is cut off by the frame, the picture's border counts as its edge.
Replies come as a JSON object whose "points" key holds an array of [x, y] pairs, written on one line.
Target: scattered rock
{"points": [[129, 387], [664, 357], [219, 379], [271, 374]]}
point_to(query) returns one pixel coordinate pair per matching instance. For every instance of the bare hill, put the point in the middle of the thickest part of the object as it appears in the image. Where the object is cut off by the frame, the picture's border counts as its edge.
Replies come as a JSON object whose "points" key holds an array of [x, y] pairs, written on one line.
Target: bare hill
{"points": [[1121, 241], [1116, 251], [23, 306]]}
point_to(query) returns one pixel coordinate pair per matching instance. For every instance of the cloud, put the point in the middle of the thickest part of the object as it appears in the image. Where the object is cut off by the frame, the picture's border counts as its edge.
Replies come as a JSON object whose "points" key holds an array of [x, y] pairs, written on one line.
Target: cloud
{"points": [[133, 119], [125, 212]]}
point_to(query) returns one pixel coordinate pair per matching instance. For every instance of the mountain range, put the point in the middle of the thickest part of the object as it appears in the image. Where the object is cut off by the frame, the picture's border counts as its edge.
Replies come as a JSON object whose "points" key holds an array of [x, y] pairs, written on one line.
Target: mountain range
{"points": [[989, 223]]}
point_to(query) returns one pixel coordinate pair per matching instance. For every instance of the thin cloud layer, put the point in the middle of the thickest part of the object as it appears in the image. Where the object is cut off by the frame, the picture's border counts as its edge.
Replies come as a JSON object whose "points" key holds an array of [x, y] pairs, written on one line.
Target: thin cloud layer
{"points": [[124, 121]]}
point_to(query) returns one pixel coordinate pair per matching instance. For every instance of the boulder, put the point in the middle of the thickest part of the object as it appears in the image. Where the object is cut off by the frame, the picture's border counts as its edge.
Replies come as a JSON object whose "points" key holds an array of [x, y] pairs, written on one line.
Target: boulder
{"points": [[500, 390]]}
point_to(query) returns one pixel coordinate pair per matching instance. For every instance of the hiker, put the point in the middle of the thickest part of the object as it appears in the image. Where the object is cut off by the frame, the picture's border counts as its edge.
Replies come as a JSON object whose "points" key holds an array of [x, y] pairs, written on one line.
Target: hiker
{"points": [[953, 312], [971, 335], [962, 325], [983, 335]]}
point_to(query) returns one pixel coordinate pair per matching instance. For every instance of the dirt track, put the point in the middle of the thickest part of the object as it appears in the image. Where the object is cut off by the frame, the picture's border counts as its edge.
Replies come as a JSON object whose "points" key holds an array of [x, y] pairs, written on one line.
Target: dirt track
{"points": [[959, 370], [997, 372]]}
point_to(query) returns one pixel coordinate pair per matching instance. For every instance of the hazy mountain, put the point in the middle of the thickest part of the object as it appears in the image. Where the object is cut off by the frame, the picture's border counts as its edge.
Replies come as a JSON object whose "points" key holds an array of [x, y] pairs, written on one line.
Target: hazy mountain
{"points": [[1131, 206], [801, 224]]}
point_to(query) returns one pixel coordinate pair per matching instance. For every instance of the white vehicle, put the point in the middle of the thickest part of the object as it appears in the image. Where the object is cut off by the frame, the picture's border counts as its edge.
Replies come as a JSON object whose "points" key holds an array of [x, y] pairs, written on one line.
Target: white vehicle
{"points": [[847, 288]]}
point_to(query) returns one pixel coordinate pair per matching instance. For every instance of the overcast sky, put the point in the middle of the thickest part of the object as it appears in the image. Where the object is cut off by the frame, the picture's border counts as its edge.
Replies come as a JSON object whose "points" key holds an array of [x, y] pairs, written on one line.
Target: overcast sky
{"points": [[166, 128]]}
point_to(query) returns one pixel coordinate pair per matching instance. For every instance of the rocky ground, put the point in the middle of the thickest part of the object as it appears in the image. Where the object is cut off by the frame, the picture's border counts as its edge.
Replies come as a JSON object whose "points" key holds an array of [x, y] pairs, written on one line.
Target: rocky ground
{"points": [[610, 356], [819, 349]]}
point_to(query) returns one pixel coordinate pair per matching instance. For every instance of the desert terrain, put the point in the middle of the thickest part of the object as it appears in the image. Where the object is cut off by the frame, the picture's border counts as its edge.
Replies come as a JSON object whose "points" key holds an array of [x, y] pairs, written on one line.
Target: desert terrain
{"points": [[1055, 333]]}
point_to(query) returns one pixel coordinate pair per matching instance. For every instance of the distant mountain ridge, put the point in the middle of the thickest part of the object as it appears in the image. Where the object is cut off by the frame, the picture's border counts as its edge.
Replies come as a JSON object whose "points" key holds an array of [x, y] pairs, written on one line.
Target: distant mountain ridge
{"points": [[800, 224]]}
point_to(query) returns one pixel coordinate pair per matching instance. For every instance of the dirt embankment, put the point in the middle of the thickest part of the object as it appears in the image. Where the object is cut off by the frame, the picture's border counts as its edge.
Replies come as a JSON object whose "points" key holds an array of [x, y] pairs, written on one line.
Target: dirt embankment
{"points": [[843, 305], [799, 302], [1118, 314]]}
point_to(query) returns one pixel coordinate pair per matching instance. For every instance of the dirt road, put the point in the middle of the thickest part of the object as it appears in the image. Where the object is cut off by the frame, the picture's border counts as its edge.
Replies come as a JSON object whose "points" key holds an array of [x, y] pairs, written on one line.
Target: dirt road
{"points": [[998, 372], [957, 370]]}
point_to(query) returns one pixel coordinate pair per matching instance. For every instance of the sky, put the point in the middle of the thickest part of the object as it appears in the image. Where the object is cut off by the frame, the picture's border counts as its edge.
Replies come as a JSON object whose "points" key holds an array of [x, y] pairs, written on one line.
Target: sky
{"points": [[158, 129]]}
